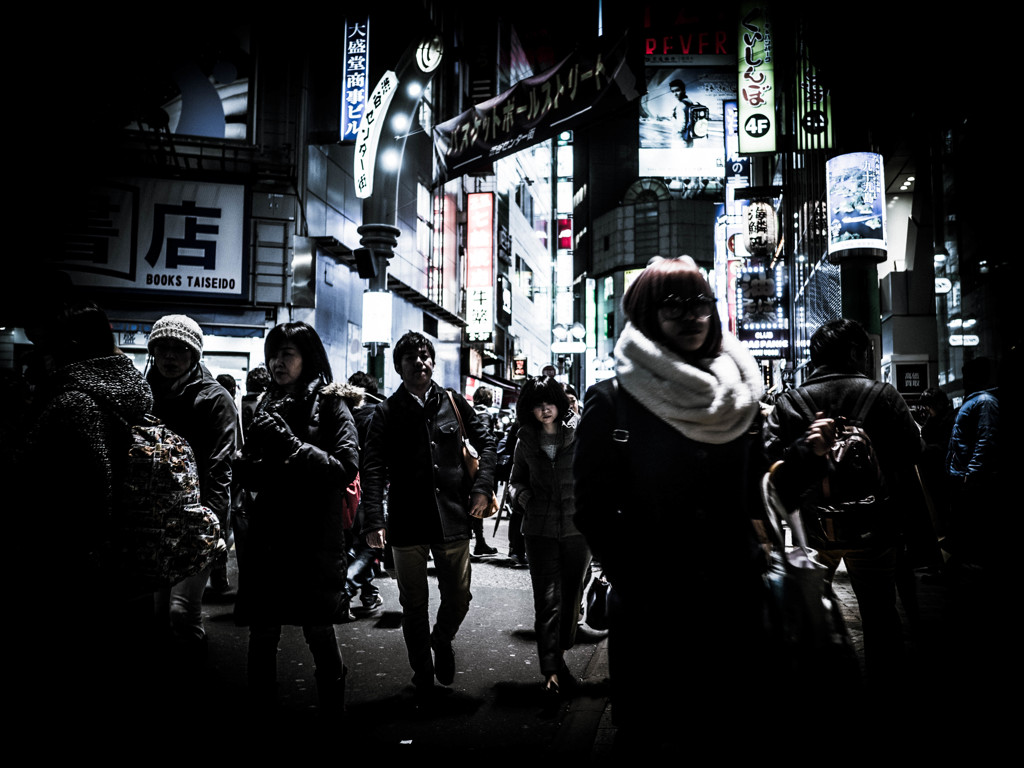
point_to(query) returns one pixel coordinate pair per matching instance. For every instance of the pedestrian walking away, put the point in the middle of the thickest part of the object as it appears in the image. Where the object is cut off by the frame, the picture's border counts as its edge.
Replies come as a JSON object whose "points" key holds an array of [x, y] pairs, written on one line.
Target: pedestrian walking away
{"points": [[801, 431]]}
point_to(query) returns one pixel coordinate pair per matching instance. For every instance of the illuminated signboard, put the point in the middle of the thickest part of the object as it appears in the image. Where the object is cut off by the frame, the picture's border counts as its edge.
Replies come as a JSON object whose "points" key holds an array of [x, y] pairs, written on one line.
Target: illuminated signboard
{"points": [[737, 167], [162, 237], [756, 86], [855, 187], [354, 85], [761, 310], [480, 266], [682, 121], [813, 109], [369, 133]]}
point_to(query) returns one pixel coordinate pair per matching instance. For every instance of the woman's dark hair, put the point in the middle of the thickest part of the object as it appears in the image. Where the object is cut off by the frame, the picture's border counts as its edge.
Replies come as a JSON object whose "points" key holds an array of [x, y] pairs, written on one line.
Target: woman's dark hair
{"points": [[670, 277], [411, 341], [305, 339], [541, 390], [842, 346]]}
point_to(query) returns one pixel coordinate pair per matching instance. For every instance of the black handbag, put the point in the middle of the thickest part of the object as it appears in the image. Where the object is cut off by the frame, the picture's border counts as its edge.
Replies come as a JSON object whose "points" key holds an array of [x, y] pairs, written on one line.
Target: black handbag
{"points": [[597, 603], [803, 620]]}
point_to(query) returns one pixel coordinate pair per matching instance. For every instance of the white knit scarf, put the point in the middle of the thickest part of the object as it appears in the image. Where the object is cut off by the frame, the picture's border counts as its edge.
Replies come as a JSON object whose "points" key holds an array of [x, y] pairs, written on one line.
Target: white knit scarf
{"points": [[713, 401]]}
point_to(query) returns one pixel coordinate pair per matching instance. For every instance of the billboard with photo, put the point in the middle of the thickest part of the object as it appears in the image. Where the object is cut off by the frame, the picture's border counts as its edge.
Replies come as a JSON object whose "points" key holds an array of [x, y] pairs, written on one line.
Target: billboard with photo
{"points": [[682, 121]]}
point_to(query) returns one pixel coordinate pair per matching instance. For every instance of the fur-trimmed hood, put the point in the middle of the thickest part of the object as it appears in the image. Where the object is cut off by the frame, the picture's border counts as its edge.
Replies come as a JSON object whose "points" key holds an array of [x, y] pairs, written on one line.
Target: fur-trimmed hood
{"points": [[350, 393]]}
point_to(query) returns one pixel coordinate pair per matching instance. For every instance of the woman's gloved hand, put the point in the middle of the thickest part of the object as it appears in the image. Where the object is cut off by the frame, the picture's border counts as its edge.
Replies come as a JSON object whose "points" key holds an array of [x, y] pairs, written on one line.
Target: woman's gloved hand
{"points": [[274, 435]]}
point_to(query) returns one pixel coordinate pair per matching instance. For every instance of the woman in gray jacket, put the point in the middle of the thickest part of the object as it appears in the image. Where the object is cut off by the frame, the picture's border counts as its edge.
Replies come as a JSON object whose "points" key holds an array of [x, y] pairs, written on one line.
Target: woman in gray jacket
{"points": [[542, 487]]}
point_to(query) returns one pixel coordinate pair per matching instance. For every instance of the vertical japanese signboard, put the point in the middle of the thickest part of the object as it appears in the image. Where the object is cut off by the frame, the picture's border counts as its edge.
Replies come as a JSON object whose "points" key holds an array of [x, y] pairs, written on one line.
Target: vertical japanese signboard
{"points": [[357, 65], [813, 108], [756, 80], [168, 237], [369, 133], [480, 266]]}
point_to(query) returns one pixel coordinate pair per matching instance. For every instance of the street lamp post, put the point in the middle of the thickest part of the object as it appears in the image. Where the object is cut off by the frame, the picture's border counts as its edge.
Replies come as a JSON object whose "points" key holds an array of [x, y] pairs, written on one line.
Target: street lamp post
{"points": [[378, 166]]}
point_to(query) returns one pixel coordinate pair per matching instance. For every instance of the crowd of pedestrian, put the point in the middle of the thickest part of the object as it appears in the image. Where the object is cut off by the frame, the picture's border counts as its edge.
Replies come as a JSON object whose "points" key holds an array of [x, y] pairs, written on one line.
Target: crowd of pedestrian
{"points": [[321, 486]]}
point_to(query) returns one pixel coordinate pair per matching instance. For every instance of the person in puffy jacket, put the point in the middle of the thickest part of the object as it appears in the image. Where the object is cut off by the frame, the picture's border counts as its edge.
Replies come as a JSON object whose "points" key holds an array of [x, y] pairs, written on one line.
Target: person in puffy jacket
{"points": [[301, 453], [190, 401]]}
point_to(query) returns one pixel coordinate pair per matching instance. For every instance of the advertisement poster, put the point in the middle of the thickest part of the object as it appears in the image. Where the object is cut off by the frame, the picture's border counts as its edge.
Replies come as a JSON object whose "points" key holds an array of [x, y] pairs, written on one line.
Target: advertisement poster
{"points": [[856, 202], [682, 122]]}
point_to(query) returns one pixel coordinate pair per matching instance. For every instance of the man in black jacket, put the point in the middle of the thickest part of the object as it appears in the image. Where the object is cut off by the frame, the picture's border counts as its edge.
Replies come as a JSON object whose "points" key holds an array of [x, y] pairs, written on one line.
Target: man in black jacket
{"points": [[415, 444], [802, 436], [191, 402]]}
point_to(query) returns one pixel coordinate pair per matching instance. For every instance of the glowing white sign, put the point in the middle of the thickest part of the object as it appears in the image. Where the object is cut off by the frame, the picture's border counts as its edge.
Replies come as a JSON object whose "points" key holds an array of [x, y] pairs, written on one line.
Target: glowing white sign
{"points": [[369, 133]]}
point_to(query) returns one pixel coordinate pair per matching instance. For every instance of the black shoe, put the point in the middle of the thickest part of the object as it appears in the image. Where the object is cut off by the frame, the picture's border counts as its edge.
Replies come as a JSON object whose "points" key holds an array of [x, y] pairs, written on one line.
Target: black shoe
{"points": [[367, 609], [444, 660], [520, 561], [482, 550]]}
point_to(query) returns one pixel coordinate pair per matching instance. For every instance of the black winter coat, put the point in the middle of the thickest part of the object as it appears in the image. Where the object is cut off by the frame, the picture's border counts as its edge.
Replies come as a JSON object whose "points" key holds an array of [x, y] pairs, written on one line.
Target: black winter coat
{"points": [[894, 434], [74, 458], [418, 451], [205, 415], [295, 565], [662, 509], [544, 489]]}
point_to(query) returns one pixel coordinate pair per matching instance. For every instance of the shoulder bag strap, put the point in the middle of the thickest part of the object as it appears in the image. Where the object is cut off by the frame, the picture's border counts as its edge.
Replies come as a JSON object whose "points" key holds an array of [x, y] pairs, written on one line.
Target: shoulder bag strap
{"points": [[462, 427], [865, 401]]}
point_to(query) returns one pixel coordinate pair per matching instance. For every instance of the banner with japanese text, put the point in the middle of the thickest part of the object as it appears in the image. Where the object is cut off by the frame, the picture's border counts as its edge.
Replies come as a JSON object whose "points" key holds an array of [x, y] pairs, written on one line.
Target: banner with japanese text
{"points": [[591, 81]]}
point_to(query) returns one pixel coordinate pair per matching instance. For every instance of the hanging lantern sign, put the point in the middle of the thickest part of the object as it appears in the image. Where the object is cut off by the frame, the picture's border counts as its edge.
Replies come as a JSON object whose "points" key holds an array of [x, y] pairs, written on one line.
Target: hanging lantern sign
{"points": [[855, 185], [762, 228]]}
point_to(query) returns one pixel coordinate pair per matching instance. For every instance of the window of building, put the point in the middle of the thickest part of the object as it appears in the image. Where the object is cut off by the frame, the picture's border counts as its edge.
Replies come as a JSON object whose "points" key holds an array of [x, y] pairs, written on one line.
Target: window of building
{"points": [[525, 276]]}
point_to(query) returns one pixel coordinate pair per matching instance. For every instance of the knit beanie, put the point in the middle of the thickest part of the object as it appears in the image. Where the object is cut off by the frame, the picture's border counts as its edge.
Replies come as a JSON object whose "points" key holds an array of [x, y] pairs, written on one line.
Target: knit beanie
{"points": [[180, 327]]}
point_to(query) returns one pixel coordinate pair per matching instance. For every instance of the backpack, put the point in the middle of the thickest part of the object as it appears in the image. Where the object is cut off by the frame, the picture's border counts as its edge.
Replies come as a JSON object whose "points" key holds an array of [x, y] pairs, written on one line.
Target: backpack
{"points": [[851, 501], [163, 533]]}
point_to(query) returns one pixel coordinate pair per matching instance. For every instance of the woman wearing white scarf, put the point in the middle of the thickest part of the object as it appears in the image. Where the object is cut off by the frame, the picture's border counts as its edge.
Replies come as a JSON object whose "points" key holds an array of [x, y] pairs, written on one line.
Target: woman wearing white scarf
{"points": [[668, 458]]}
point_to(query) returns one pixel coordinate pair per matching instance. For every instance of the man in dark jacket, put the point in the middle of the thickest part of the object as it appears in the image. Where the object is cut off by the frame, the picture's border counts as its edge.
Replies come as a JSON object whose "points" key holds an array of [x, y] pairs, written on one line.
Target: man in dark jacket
{"points": [[801, 437], [415, 444], [191, 402], [971, 464]]}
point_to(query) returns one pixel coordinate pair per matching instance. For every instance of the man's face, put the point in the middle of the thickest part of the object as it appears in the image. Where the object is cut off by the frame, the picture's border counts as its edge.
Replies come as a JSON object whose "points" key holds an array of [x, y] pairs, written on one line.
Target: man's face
{"points": [[416, 369], [172, 358]]}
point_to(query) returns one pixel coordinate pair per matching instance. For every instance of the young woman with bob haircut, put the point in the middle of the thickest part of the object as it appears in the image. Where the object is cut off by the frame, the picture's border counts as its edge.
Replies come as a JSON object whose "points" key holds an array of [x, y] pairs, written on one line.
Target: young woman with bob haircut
{"points": [[542, 487], [668, 459]]}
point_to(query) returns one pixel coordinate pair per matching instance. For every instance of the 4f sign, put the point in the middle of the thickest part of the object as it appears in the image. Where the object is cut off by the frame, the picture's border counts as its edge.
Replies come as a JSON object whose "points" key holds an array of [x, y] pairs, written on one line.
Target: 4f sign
{"points": [[757, 126]]}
